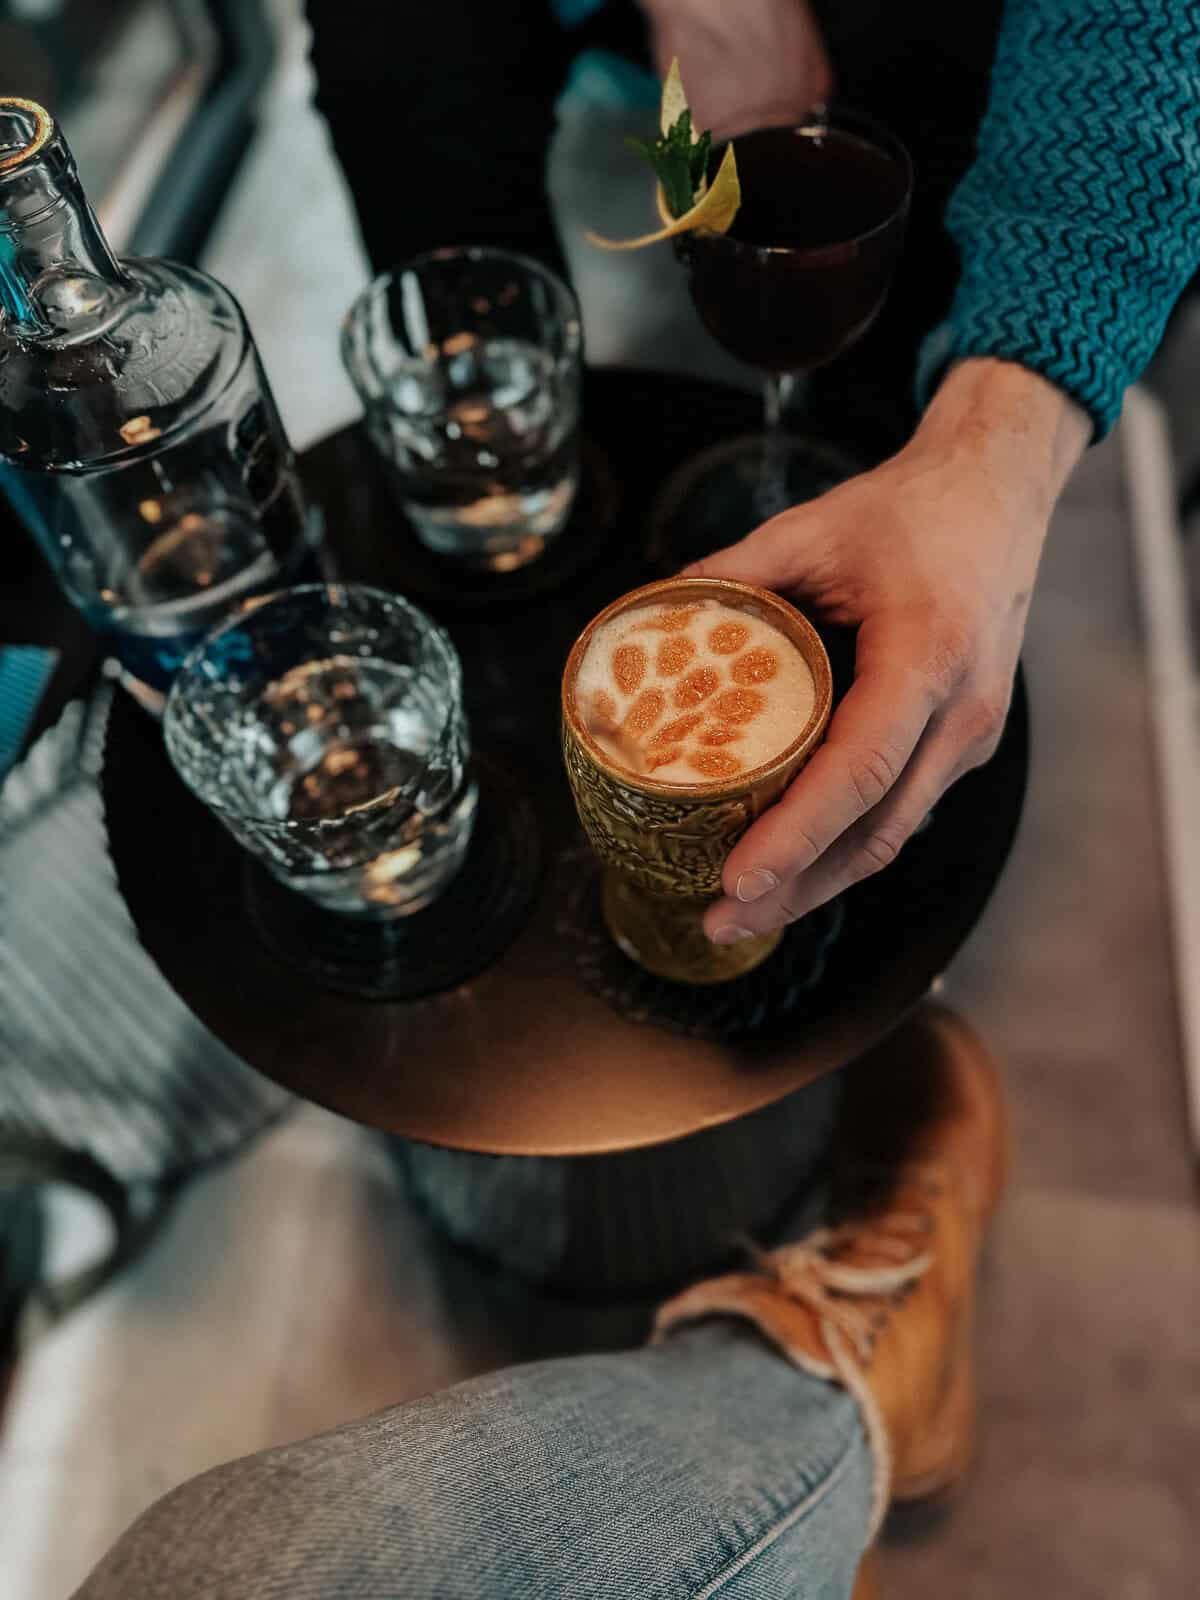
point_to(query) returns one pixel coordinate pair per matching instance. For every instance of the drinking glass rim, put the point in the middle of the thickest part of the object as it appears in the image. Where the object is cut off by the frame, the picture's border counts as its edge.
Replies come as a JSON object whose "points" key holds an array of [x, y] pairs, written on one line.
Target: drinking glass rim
{"points": [[847, 116], [174, 735], [383, 281], [713, 788]]}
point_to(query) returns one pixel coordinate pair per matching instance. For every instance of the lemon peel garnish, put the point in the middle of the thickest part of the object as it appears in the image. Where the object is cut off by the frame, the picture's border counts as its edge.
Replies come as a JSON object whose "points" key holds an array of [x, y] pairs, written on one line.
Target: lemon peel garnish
{"points": [[718, 202], [715, 210], [674, 101]]}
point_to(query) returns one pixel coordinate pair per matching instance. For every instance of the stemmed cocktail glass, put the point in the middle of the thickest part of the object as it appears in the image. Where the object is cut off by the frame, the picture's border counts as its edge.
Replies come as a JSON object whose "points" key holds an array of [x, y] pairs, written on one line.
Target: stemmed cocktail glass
{"points": [[798, 278]]}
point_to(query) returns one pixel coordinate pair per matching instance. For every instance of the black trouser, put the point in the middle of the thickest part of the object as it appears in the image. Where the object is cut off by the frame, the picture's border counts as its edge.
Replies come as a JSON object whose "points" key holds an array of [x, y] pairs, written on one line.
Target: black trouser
{"points": [[453, 100], [442, 111]]}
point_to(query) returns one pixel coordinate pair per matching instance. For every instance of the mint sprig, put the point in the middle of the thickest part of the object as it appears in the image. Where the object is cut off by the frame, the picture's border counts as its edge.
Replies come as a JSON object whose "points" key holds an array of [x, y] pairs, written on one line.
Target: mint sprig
{"points": [[679, 164]]}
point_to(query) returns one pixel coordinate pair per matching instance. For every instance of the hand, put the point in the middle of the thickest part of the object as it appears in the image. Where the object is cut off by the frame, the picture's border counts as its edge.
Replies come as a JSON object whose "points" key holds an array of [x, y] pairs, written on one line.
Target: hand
{"points": [[933, 555], [745, 63]]}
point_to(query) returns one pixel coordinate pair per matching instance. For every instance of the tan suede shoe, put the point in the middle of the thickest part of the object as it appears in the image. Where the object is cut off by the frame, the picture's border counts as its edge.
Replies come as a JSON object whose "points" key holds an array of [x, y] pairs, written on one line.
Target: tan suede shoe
{"points": [[884, 1303], [866, 1584]]}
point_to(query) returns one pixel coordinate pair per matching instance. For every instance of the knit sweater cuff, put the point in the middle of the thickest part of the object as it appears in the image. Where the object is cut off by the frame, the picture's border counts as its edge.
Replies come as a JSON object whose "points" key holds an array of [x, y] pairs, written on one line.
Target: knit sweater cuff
{"points": [[1077, 224], [1047, 295]]}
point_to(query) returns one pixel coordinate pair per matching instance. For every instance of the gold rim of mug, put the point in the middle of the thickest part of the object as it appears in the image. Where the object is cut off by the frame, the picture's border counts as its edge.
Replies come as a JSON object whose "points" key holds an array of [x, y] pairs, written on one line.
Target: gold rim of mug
{"points": [[739, 596]]}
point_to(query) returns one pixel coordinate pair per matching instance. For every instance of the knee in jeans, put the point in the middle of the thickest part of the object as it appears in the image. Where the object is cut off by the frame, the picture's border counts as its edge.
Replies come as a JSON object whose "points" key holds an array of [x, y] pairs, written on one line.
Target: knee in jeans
{"points": [[196, 1535]]}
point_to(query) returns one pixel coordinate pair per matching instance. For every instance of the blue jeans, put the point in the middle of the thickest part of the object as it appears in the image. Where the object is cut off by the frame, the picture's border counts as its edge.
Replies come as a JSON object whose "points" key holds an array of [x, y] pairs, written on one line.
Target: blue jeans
{"points": [[703, 1466]]}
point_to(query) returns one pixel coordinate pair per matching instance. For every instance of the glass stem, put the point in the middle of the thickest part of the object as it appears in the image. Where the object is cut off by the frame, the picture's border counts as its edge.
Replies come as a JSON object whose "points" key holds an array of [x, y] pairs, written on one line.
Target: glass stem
{"points": [[771, 494]]}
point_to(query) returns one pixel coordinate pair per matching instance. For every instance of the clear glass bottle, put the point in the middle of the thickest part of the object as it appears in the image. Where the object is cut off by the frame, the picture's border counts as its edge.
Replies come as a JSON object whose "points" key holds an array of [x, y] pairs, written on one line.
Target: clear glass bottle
{"points": [[139, 440]]}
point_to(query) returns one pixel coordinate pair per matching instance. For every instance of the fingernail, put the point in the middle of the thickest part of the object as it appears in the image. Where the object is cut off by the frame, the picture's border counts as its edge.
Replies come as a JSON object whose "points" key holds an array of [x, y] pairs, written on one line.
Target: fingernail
{"points": [[755, 883], [731, 935]]}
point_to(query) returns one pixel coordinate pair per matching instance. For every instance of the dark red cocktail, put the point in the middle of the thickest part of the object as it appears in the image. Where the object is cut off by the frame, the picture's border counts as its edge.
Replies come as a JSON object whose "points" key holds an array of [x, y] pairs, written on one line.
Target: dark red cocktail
{"points": [[805, 266], [798, 278]]}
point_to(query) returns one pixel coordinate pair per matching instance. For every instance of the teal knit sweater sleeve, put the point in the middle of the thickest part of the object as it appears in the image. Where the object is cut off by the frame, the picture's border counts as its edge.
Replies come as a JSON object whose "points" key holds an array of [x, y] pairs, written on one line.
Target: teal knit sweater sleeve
{"points": [[1078, 226]]}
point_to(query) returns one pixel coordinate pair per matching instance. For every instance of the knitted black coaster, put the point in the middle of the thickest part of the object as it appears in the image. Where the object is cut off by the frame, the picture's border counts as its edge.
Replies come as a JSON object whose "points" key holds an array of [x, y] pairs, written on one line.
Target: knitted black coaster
{"points": [[465, 930], [714, 1010], [695, 514]]}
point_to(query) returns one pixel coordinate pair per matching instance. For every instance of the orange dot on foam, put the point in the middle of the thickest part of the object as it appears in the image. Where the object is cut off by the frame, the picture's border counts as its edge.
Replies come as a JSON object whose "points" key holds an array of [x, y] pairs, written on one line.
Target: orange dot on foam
{"points": [[673, 732], [604, 707], [673, 655], [645, 711], [719, 733], [756, 666], [728, 637], [697, 686], [673, 620], [714, 763], [662, 758], [628, 667], [738, 705]]}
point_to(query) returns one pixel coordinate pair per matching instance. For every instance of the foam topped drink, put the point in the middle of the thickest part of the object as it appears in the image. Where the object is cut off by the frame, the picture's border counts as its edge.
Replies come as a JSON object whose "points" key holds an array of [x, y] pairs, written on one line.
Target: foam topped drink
{"points": [[688, 706], [693, 693]]}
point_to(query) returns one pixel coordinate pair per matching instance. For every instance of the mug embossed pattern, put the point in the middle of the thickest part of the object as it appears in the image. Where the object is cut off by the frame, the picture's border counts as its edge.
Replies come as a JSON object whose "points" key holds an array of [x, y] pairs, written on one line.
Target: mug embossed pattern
{"points": [[665, 844], [667, 847]]}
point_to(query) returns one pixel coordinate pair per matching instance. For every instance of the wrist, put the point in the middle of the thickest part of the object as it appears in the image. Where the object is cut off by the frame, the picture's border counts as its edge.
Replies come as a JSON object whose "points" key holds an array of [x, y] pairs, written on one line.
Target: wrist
{"points": [[1006, 422]]}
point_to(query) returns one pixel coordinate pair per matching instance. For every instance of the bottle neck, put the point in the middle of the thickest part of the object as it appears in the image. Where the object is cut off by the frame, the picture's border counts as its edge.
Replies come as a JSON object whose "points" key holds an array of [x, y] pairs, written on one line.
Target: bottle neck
{"points": [[58, 277]]}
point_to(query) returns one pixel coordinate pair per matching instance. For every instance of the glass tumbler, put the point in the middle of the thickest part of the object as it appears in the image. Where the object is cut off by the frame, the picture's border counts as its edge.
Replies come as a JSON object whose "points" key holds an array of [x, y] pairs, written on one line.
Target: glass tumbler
{"points": [[467, 363], [324, 727]]}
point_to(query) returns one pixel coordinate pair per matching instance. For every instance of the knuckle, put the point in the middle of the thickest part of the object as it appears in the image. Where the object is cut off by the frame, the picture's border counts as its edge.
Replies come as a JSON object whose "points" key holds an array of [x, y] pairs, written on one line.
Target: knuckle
{"points": [[877, 850], [984, 719], [985, 749], [803, 850], [792, 907], [872, 774], [951, 656], [978, 757], [993, 714], [881, 847]]}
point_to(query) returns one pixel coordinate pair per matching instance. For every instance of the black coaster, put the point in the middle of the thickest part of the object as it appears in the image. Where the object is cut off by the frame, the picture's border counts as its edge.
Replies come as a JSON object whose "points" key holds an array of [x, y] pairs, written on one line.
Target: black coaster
{"points": [[695, 514], [455, 587], [466, 929], [711, 1011]]}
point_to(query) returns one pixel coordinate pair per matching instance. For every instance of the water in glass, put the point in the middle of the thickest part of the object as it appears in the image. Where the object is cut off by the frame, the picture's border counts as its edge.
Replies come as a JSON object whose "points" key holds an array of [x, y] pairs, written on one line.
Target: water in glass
{"points": [[486, 449], [372, 754], [325, 728], [468, 366]]}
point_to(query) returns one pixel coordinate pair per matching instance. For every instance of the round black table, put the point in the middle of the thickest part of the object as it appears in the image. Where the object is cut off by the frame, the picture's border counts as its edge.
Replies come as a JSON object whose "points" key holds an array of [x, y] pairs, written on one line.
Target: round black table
{"points": [[524, 1057]]}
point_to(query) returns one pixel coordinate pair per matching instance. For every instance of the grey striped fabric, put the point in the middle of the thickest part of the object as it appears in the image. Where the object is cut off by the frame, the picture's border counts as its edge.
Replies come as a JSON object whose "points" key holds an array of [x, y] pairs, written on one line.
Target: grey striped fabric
{"points": [[96, 1051]]}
